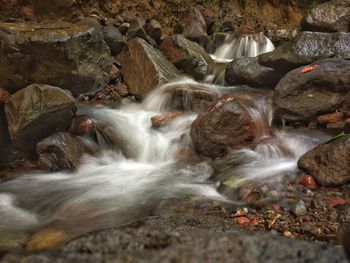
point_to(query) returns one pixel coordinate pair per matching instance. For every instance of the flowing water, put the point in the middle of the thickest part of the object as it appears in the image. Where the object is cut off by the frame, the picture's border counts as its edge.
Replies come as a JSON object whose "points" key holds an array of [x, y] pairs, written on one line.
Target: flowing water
{"points": [[116, 187]]}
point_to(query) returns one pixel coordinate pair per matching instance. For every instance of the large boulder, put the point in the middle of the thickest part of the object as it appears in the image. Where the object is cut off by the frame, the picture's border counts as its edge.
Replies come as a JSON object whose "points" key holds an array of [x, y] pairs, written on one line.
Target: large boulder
{"points": [[308, 92], [307, 48], [37, 111], [332, 16], [227, 125], [70, 56], [328, 163], [249, 71], [187, 56], [193, 26], [144, 68], [63, 151]]}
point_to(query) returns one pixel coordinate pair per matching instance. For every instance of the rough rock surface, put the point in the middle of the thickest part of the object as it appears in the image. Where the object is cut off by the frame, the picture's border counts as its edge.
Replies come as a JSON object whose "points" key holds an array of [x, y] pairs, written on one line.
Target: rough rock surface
{"points": [[226, 125], [63, 151], [307, 48], [302, 97], [144, 68], [332, 16], [328, 163], [37, 111], [249, 71], [70, 56], [187, 55]]}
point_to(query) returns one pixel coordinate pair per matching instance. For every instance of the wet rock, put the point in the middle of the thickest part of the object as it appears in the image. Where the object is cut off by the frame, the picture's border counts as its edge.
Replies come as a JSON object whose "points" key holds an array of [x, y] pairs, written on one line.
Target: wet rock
{"points": [[332, 16], [249, 71], [154, 30], [36, 112], [187, 56], [63, 151], [328, 163], [144, 68], [191, 97], [307, 48], [308, 181], [226, 125], [299, 208], [164, 119], [192, 25], [302, 97], [279, 36], [82, 125], [114, 39], [215, 41], [330, 118], [70, 56]]}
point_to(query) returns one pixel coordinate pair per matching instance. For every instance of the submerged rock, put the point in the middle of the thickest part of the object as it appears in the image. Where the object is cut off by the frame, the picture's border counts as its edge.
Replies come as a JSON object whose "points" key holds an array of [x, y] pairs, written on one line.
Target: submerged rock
{"points": [[328, 163], [249, 71], [306, 93], [307, 48], [226, 125], [144, 68], [70, 56], [332, 16], [187, 55], [37, 111], [165, 118], [63, 151]]}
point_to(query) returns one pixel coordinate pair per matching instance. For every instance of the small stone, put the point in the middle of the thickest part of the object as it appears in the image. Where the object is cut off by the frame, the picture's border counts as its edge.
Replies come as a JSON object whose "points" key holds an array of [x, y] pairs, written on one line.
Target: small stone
{"points": [[287, 234], [299, 209], [4, 96], [337, 202], [308, 181], [82, 125], [124, 27], [330, 118], [114, 75], [243, 221]]}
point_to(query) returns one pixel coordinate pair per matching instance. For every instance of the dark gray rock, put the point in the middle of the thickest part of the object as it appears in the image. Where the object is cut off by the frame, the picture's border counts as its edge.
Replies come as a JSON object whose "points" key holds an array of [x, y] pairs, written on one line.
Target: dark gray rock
{"points": [[328, 163], [332, 16], [37, 111], [114, 39], [70, 56], [302, 97]]}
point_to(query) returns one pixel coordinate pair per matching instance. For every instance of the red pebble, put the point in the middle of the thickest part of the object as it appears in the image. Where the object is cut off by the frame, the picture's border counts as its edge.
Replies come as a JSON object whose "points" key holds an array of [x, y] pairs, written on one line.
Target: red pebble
{"points": [[337, 202], [243, 221], [308, 181], [82, 125]]}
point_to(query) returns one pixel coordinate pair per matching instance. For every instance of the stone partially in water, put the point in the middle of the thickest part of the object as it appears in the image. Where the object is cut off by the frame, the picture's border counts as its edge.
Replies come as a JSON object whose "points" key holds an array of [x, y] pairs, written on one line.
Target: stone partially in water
{"points": [[63, 151], [37, 111], [70, 56], [328, 163], [332, 16], [187, 56], [302, 97], [226, 125], [165, 118], [144, 68]]}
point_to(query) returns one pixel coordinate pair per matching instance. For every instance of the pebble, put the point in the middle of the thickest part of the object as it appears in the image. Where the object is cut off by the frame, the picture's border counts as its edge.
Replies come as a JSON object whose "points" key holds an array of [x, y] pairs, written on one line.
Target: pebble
{"points": [[299, 209]]}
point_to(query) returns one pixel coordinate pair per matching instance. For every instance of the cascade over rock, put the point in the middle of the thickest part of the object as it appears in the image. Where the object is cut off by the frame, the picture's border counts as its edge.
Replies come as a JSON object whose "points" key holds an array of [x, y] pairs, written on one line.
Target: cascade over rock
{"points": [[144, 68], [37, 111], [328, 163], [187, 55], [71, 56], [302, 97]]}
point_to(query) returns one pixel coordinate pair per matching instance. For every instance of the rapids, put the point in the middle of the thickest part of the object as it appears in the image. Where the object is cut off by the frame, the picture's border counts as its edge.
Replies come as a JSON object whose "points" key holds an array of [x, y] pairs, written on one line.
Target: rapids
{"points": [[111, 189]]}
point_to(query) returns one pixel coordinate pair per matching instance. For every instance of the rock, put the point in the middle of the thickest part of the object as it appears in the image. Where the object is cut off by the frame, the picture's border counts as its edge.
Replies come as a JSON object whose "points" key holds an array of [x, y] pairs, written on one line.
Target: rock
{"points": [[226, 125], [307, 48], [208, 15], [332, 16], [187, 56], [154, 30], [330, 118], [190, 97], [302, 97], [337, 202], [36, 112], [192, 25], [299, 208], [124, 27], [164, 119], [308, 181], [4, 96], [5, 140], [328, 163], [279, 36], [70, 56], [114, 39], [136, 30], [63, 151], [249, 71], [144, 68], [82, 125], [216, 40]]}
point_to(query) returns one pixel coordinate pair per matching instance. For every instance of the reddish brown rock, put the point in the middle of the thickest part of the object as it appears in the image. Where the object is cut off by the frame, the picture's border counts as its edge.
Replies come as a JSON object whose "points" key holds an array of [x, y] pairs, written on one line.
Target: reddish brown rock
{"points": [[208, 15], [308, 181], [114, 74], [82, 125], [226, 125], [330, 118], [165, 118]]}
